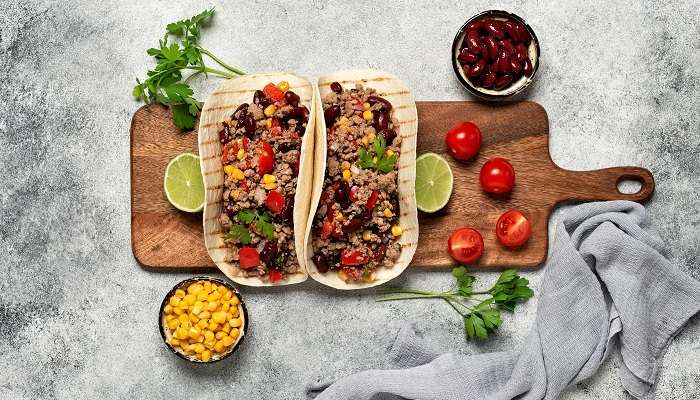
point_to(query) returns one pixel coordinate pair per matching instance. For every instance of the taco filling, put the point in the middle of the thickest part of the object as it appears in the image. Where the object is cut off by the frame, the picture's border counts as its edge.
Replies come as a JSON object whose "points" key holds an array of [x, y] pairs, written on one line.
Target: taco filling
{"points": [[356, 226], [261, 152]]}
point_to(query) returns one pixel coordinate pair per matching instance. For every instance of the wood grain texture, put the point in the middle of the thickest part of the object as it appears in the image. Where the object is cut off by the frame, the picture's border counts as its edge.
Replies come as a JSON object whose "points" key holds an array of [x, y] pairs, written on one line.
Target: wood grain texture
{"points": [[163, 237]]}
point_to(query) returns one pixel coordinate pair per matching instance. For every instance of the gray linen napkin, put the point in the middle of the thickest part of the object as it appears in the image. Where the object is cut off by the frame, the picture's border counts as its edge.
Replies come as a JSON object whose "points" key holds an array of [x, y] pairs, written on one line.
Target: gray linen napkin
{"points": [[605, 279]]}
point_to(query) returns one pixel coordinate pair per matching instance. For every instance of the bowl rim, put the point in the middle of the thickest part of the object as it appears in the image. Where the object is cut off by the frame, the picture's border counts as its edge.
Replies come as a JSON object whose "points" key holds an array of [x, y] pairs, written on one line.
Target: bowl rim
{"points": [[188, 281], [456, 66]]}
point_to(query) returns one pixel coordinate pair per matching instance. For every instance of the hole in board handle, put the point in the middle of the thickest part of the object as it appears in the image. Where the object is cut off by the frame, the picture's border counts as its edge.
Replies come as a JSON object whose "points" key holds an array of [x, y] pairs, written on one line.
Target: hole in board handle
{"points": [[629, 185]]}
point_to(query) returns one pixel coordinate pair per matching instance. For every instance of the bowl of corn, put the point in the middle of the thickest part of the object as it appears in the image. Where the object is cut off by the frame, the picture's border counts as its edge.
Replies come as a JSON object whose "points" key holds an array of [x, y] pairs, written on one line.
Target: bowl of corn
{"points": [[203, 319]]}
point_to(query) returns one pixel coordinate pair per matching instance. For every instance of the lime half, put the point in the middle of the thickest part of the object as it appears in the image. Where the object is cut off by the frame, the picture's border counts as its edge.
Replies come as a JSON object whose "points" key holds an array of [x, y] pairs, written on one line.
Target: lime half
{"points": [[183, 183], [433, 182]]}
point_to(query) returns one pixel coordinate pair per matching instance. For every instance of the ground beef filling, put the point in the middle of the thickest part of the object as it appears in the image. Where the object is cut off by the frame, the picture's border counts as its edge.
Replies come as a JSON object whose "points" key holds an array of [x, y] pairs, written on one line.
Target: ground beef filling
{"points": [[262, 146], [356, 225]]}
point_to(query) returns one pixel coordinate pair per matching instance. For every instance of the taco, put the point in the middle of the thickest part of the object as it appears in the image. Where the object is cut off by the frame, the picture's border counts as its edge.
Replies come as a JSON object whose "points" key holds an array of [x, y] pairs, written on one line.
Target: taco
{"points": [[363, 223], [256, 142]]}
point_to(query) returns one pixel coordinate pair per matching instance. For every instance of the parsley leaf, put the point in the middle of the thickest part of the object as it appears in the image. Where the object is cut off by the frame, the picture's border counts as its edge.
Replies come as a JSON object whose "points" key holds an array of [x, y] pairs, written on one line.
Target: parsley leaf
{"points": [[261, 222], [246, 216], [383, 163], [238, 233]]}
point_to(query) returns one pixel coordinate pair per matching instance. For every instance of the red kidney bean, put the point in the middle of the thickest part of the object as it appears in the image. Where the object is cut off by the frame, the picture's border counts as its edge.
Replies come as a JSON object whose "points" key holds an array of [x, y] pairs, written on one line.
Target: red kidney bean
{"points": [[503, 62], [527, 67], [477, 69], [515, 66], [491, 27], [473, 42], [493, 67], [378, 254], [521, 52], [489, 79], [291, 98], [260, 99], [381, 120], [466, 57], [336, 87], [507, 45], [475, 25], [331, 114], [321, 263], [492, 47], [389, 135], [372, 100], [502, 81], [243, 107], [249, 125], [509, 27], [484, 50], [523, 34], [224, 134], [342, 193], [353, 225], [269, 251]]}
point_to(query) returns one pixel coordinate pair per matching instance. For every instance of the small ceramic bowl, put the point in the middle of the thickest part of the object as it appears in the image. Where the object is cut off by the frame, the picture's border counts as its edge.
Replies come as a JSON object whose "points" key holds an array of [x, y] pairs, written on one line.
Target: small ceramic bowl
{"points": [[516, 86], [166, 334]]}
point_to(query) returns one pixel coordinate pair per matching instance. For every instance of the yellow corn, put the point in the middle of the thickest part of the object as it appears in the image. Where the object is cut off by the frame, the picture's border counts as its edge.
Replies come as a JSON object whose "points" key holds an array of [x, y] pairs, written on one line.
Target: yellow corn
{"points": [[366, 235], [174, 341], [178, 310], [181, 333], [339, 216], [234, 332], [344, 165], [235, 323], [240, 155], [225, 307], [228, 295], [179, 293], [194, 289], [168, 309], [375, 159], [227, 340], [219, 346], [213, 296], [388, 213], [172, 325], [220, 334], [205, 356], [234, 194], [193, 318], [347, 175], [365, 106], [198, 348], [202, 324], [183, 318], [234, 300], [267, 178], [396, 230], [174, 301], [219, 317], [213, 326], [270, 186], [268, 123], [390, 153], [194, 332], [283, 86], [367, 115], [209, 335], [371, 136], [342, 275], [190, 299], [343, 120], [202, 296], [211, 306], [365, 141], [207, 286], [270, 110]]}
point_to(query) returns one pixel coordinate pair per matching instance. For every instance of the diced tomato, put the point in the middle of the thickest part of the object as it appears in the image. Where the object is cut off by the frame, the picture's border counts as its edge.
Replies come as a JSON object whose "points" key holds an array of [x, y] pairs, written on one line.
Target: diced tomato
{"points": [[248, 257], [353, 193], [273, 92], [237, 145], [274, 201], [225, 151], [353, 257], [266, 158], [372, 201], [274, 275], [328, 228], [354, 274]]}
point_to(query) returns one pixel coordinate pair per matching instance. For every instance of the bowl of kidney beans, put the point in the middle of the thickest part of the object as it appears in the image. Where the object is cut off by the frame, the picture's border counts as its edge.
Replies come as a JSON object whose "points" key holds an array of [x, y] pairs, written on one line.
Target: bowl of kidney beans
{"points": [[495, 55]]}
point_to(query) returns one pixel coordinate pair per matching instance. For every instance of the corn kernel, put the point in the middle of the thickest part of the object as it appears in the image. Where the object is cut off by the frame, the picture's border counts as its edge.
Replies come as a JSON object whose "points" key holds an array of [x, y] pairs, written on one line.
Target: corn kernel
{"points": [[205, 356], [268, 123], [370, 137], [339, 216], [202, 296], [342, 275], [194, 332], [174, 341], [209, 335], [177, 311], [344, 165], [197, 308], [228, 295], [168, 309], [240, 155], [213, 326], [211, 306], [172, 325], [187, 324], [193, 318], [343, 120], [170, 317], [229, 316], [179, 293], [347, 175], [222, 290], [219, 346], [181, 333], [183, 318], [270, 110], [198, 348], [388, 213], [235, 323], [228, 169], [367, 115], [213, 296], [202, 324], [234, 332], [234, 300], [220, 334], [375, 159], [174, 301], [228, 340], [367, 235], [190, 299], [267, 178], [390, 153], [283, 86], [234, 194], [194, 289], [225, 307], [365, 141], [207, 286], [234, 312], [396, 230], [204, 315], [365, 106], [270, 186], [226, 328], [214, 286], [219, 317]]}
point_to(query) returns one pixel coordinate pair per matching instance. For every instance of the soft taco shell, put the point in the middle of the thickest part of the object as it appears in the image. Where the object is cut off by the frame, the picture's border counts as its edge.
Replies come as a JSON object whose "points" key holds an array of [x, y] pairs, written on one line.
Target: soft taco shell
{"points": [[221, 103], [404, 109]]}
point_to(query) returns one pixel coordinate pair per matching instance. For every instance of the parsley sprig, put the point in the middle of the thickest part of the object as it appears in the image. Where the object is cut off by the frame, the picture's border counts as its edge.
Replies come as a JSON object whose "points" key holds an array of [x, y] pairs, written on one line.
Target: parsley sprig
{"points": [[481, 315], [382, 163], [165, 83], [262, 223]]}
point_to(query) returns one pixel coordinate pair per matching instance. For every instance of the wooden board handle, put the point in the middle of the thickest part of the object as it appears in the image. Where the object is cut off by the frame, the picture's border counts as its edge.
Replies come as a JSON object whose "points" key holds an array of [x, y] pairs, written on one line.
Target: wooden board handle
{"points": [[602, 184]]}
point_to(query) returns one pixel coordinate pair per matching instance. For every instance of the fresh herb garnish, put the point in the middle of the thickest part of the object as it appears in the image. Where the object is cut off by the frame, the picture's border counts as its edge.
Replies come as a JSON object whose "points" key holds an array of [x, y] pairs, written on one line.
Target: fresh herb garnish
{"points": [[261, 222], [481, 315], [279, 261], [383, 163], [165, 84], [238, 232]]}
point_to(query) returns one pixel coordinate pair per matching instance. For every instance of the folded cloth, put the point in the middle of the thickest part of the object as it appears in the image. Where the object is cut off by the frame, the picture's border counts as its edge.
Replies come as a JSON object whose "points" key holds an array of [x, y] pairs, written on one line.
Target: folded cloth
{"points": [[605, 280]]}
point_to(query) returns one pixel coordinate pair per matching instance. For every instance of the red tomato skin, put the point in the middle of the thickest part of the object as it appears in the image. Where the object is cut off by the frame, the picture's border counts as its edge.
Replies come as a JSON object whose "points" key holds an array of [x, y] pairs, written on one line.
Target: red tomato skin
{"points": [[327, 229], [463, 140], [274, 201], [225, 151], [274, 275], [353, 257], [266, 159], [248, 257], [466, 245], [372, 200], [513, 229], [497, 176], [273, 92]]}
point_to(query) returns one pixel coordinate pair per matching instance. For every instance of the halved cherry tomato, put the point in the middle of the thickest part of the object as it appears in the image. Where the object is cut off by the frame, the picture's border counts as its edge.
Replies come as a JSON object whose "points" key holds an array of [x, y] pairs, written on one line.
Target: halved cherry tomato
{"points": [[274, 201], [327, 229], [353, 257], [513, 229], [463, 140], [273, 92], [248, 257], [497, 176], [266, 158], [466, 245], [372, 200], [274, 275]]}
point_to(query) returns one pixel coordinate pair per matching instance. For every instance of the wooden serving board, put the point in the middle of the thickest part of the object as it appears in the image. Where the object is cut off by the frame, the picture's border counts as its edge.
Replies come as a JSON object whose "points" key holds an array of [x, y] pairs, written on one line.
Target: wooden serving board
{"points": [[163, 237]]}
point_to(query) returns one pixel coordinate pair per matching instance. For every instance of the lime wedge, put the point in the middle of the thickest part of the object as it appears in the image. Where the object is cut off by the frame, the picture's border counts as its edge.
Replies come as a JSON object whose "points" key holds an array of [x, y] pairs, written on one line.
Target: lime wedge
{"points": [[183, 183], [433, 182]]}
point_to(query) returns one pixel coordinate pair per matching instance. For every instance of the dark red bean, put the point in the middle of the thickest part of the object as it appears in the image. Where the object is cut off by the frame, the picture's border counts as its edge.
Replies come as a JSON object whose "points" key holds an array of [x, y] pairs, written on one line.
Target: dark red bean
{"points": [[353, 225], [337, 87], [473, 42], [507, 45], [503, 62], [491, 27], [249, 125], [269, 251], [484, 50], [331, 114], [475, 25], [477, 69], [466, 57], [242, 107], [515, 66], [521, 52], [321, 263], [503, 81], [342, 193], [260, 99], [224, 134], [489, 79], [509, 27], [378, 253], [389, 135], [493, 67], [381, 120], [291, 98], [492, 47], [372, 100], [527, 67], [523, 34]]}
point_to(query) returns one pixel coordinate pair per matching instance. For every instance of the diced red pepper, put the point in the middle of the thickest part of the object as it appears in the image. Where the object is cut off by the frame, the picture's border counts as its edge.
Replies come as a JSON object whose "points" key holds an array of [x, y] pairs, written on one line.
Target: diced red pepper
{"points": [[328, 228], [274, 275], [273, 92], [225, 151], [248, 257], [372, 201], [353, 257], [266, 158], [237, 146], [274, 201]]}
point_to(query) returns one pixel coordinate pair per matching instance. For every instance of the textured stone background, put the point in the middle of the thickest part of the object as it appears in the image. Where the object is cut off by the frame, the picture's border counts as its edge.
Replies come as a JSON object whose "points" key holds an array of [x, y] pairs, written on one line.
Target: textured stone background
{"points": [[78, 315]]}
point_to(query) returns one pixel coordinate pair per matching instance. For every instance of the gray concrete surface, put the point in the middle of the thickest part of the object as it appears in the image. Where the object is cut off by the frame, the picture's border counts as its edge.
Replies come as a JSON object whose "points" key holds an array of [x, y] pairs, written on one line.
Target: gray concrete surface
{"points": [[78, 315]]}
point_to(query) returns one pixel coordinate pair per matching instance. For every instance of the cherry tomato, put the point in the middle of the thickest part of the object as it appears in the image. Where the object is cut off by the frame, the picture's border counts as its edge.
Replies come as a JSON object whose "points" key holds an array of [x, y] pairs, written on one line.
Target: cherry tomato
{"points": [[248, 257], [266, 158], [274, 201], [353, 257], [273, 92], [463, 140], [497, 176], [372, 200], [466, 245], [513, 229], [274, 275]]}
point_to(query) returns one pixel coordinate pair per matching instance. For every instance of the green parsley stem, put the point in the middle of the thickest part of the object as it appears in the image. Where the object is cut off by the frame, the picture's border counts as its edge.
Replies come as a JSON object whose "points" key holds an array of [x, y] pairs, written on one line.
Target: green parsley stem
{"points": [[221, 62], [413, 297]]}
